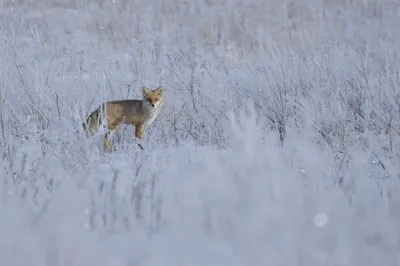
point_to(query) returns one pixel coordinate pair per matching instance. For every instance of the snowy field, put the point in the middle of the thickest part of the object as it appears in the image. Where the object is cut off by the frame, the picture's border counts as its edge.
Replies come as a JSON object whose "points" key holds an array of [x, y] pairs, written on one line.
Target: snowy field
{"points": [[278, 143]]}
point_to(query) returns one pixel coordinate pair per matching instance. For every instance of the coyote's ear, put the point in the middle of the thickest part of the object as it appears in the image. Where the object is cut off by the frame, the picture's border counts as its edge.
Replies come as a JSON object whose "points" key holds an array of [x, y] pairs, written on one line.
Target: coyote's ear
{"points": [[159, 90], [145, 91]]}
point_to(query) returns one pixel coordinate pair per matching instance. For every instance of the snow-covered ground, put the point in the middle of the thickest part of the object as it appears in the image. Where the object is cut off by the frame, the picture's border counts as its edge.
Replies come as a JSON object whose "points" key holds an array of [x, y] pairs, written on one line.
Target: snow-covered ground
{"points": [[278, 143]]}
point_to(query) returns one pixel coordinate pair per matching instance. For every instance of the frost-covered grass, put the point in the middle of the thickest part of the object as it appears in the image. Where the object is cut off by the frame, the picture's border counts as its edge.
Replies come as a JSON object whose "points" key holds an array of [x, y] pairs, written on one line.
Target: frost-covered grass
{"points": [[278, 143]]}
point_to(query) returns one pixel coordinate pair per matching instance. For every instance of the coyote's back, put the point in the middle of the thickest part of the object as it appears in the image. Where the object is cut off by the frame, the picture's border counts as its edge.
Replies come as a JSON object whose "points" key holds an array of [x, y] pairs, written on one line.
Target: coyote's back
{"points": [[139, 113]]}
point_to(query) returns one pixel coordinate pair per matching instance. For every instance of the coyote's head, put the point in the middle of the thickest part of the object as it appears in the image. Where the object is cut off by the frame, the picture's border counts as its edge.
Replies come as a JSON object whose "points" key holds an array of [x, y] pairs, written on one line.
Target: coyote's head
{"points": [[152, 98]]}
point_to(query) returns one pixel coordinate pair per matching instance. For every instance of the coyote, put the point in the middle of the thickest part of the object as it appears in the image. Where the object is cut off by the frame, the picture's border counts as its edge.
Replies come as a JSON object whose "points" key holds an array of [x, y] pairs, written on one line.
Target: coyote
{"points": [[139, 113]]}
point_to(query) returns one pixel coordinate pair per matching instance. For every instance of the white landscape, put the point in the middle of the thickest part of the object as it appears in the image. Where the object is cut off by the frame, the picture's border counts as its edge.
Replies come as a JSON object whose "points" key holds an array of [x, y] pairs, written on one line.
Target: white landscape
{"points": [[278, 142]]}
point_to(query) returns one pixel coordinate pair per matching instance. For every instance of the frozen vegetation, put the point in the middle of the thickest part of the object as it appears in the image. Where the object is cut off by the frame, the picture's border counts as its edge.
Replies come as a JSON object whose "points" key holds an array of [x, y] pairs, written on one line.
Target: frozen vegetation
{"points": [[278, 143]]}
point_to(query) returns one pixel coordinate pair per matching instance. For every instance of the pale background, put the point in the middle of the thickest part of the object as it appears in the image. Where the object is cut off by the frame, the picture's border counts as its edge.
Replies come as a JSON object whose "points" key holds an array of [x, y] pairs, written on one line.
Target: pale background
{"points": [[278, 143]]}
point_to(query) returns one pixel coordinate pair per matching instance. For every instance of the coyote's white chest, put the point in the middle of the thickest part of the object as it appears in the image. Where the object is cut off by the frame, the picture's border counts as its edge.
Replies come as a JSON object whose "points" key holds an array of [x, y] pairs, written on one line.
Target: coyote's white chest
{"points": [[152, 116]]}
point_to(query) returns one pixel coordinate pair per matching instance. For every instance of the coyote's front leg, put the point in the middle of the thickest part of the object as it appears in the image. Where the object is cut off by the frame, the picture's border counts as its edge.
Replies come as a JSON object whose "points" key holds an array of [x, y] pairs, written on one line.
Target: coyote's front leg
{"points": [[139, 133]]}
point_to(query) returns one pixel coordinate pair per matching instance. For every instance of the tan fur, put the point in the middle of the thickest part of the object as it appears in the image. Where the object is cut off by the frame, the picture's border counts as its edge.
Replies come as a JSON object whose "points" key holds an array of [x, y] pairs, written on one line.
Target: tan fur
{"points": [[139, 113]]}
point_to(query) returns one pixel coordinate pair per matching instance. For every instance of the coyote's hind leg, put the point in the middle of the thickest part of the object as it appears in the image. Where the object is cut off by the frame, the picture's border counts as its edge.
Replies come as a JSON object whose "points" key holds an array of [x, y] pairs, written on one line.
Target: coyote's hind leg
{"points": [[108, 137], [107, 142]]}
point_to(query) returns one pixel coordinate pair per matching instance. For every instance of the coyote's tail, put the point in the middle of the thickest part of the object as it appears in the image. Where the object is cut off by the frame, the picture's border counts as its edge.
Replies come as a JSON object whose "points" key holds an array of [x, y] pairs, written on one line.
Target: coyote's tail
{"points": [[92, 122]]}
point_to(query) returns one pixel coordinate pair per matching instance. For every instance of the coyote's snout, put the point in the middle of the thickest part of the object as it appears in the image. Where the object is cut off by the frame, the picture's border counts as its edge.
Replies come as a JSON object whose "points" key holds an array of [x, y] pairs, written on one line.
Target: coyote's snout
{"points": [[139, 113]]}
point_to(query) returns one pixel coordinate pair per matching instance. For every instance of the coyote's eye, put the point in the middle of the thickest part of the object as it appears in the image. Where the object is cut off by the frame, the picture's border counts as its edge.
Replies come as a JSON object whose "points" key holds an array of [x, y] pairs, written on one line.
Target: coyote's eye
{"points": [[152, 101]]}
